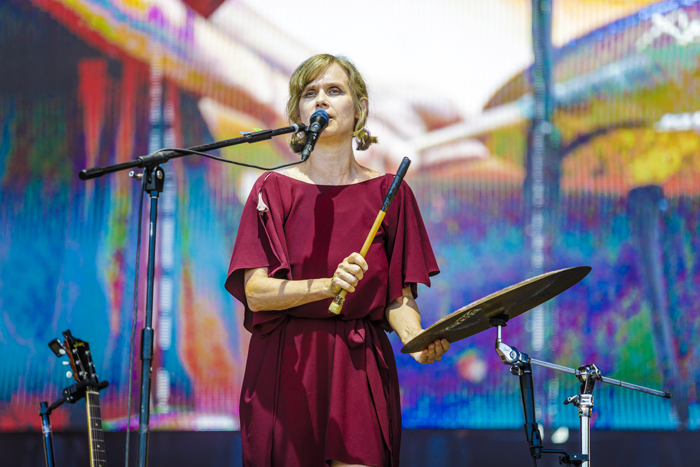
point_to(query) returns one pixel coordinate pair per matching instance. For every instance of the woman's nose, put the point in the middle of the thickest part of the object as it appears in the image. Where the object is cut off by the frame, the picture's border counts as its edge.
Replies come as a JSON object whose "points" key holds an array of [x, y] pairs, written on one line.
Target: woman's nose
{"points": [[321, 100]]}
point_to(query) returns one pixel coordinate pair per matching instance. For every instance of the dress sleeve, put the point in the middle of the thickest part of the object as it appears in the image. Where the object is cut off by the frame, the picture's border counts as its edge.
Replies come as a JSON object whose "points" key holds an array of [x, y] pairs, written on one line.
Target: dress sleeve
{"points": [[260, 242], [411, 258]]}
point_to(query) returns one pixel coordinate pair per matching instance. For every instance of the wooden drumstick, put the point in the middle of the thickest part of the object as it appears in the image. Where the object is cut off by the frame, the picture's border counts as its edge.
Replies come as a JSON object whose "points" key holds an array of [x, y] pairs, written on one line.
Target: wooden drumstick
{"points": [[339, 299]]}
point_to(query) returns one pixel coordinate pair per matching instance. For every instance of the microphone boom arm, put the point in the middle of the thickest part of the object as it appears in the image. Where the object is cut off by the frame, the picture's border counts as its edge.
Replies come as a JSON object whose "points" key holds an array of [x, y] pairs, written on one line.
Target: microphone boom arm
{"points": [[160, 157]]}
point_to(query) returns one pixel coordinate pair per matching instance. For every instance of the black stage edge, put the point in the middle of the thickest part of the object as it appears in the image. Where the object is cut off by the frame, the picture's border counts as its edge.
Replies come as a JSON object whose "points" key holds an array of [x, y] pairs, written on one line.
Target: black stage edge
{"points": [[419, 448]]}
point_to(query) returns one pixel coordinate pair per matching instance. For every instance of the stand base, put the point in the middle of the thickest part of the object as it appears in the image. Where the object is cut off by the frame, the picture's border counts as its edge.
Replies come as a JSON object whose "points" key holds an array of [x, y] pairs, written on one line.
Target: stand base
{"points": [[573, 459]]}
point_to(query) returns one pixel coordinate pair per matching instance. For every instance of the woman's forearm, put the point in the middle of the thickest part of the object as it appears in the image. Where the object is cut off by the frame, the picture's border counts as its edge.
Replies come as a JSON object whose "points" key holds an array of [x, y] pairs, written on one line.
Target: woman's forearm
{"points": [[404, 317], [265, 293]]}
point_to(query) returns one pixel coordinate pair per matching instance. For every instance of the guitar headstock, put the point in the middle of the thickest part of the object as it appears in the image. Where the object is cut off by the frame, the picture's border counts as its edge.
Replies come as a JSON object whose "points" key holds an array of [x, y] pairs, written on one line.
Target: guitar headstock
{"points": [[88, 387], [79, 356]]}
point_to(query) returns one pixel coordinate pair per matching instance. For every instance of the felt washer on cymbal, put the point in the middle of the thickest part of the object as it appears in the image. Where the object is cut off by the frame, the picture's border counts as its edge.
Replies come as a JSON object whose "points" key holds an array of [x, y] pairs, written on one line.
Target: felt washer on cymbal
{"points": [[512, 301]]}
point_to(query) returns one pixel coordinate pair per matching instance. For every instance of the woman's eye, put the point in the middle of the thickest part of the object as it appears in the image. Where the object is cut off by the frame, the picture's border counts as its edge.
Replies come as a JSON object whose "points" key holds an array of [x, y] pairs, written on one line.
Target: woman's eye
{"points": [[309, 94]]}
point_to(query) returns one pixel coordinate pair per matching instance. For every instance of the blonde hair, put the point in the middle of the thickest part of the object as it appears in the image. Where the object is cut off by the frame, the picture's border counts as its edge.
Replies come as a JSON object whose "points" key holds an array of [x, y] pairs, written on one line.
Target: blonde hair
{"points": [[311, 69]]}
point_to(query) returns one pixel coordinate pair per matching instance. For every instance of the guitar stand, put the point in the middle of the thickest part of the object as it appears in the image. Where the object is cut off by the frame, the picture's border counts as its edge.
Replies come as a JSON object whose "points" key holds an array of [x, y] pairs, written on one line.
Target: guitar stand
{"points": [[521, 366], [71, 394]]}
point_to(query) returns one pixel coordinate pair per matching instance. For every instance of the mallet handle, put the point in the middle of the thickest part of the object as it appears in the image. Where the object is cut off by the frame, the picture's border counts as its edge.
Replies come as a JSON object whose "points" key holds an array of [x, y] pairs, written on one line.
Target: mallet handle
{"points": [[337, 304]]}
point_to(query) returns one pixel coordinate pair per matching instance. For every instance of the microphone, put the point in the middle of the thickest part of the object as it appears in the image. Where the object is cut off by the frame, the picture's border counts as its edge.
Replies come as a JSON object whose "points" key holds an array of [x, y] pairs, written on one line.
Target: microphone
{"points": [[318, 121]]}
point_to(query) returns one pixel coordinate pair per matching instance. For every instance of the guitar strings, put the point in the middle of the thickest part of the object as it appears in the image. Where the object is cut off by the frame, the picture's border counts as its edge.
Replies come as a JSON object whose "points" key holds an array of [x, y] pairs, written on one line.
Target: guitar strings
{"points": [[97, 445]]}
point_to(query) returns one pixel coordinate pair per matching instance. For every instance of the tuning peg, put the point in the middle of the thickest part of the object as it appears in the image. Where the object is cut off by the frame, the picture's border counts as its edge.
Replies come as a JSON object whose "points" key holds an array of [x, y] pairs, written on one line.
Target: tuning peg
{"points": [[69, 374], [65, 362]]}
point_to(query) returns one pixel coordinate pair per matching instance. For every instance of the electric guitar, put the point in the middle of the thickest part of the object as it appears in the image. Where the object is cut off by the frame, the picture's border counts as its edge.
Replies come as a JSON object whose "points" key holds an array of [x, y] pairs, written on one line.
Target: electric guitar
{"points": [[80, 358]]}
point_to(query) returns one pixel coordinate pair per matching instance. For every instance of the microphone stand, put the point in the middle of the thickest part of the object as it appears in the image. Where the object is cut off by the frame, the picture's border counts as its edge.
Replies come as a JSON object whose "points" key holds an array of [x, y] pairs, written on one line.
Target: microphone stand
{"points": [[154, 180], [587, 375]]}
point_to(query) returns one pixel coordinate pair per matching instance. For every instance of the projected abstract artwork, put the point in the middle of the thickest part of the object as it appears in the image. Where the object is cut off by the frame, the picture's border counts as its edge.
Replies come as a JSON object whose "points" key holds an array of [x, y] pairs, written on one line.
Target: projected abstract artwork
{"points": [[94, 83]]}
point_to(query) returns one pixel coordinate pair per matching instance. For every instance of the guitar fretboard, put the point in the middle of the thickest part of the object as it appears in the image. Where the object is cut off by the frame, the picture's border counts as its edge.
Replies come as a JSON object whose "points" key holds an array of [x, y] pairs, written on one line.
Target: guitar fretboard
{"points": [[97, 441]]}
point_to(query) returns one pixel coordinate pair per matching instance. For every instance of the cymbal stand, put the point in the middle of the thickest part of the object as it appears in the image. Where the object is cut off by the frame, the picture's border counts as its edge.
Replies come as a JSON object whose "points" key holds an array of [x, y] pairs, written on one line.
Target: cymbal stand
{"points": [[521, 365]]}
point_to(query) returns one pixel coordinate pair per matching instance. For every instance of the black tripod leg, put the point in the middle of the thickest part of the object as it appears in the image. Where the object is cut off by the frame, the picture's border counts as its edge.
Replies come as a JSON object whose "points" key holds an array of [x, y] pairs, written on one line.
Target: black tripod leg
{"points": [[532, 432]]}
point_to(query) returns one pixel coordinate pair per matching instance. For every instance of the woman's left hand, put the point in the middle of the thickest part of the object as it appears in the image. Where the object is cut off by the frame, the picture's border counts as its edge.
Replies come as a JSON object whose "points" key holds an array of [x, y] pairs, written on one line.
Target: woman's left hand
{"points": [[404, 318], [433, 353]]}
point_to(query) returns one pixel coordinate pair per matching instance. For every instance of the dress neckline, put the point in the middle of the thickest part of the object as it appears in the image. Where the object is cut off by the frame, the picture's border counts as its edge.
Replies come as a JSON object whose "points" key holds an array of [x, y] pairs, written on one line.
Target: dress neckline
{"points": [[319, 184]]}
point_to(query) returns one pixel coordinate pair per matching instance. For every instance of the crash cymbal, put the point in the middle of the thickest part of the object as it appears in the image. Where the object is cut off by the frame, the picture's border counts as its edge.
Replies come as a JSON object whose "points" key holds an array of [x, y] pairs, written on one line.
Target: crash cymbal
{"points": [[511, 301]]}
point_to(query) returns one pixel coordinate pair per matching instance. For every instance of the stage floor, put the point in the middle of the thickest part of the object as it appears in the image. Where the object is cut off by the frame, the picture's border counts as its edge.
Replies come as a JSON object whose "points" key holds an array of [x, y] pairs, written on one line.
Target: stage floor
{"points": [[419, 448]]}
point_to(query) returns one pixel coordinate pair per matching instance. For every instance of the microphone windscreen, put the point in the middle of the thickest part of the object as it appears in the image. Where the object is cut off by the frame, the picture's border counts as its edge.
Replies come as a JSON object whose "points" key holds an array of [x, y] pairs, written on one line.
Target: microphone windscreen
{"points": [[318, 120], [320, 113]]}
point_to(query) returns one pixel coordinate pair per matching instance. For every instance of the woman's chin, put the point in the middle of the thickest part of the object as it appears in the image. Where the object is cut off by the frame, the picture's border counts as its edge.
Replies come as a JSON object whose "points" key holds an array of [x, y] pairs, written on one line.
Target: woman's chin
{"points": [[333, 139]]}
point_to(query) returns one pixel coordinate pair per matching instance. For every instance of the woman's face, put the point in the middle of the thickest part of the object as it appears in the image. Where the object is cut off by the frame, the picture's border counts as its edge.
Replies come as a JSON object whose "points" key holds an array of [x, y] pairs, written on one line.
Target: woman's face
{"points": [[331, 92]]}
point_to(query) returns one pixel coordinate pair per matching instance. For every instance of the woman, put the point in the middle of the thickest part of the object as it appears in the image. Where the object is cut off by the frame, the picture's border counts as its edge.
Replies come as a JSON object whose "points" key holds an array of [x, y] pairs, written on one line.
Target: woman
{"points": [[321, 389]]}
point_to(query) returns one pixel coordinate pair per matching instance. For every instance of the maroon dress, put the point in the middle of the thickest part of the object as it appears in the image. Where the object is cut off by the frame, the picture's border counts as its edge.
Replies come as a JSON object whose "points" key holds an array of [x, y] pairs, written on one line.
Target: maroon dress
{"points": [[319, 386]]}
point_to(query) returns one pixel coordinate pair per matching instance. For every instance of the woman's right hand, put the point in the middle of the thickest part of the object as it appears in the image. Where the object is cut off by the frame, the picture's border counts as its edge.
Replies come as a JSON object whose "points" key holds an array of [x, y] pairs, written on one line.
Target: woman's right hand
{"points": [[348, 274]]}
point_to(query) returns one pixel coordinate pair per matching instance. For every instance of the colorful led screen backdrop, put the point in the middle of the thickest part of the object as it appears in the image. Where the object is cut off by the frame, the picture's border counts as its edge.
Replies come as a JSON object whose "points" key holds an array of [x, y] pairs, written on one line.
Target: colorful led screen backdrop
{"points": [[92, 83]]}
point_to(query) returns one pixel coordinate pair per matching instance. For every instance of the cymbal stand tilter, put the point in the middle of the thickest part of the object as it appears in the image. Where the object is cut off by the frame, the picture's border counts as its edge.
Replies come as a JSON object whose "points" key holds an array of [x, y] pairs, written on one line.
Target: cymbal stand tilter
{"points": [[521, 365]]}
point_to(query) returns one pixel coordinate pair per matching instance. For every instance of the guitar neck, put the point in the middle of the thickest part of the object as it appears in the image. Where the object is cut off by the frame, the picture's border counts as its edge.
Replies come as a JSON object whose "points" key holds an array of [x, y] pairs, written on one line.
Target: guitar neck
{"points": [[97, 440]]}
